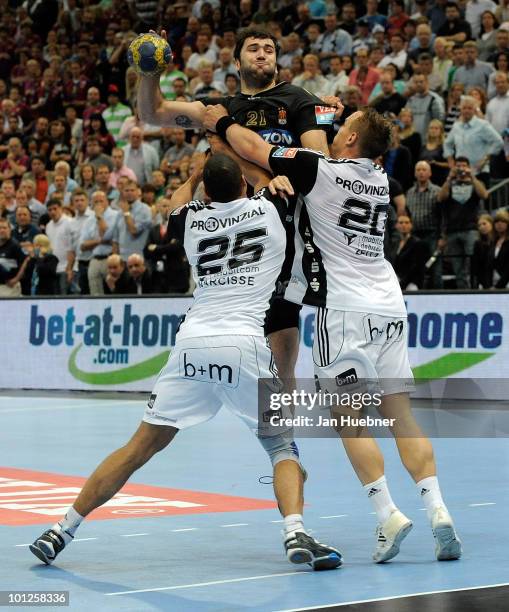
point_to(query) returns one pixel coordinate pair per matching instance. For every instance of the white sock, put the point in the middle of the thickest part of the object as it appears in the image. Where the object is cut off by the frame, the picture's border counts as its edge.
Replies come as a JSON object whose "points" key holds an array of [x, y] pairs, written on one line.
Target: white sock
{"points": [[380, 497], [70, 523], [293, 523], [431, 496]]}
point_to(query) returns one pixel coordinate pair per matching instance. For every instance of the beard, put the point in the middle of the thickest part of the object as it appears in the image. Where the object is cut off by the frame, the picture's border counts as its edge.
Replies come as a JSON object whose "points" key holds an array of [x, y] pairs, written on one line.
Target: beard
{"points": [[257, 77]]}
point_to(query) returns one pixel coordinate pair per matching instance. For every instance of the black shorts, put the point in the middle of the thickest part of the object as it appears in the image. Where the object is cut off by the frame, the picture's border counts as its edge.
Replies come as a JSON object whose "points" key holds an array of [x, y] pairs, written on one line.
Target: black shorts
{"points": [[281, 314]]}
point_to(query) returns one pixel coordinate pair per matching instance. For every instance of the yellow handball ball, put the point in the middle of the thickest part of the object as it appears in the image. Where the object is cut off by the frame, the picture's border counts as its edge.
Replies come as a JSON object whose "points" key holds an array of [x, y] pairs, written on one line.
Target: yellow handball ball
{"points": [[149, 54]]}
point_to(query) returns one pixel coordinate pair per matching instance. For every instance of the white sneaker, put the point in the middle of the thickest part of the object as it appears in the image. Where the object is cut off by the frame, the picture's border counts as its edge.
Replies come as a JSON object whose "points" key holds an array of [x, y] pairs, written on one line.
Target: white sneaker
{"points": [[447, 543], [390, 535]]}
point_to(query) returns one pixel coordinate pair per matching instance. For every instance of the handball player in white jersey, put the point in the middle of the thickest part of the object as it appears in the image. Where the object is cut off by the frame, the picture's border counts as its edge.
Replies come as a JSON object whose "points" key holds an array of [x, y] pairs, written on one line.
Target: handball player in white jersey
{"points": [[236, 248], [361, 320]]}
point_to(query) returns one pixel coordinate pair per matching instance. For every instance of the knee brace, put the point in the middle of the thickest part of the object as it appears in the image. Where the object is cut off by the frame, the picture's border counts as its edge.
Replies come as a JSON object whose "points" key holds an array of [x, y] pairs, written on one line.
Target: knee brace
{"points": [[282, 448]]}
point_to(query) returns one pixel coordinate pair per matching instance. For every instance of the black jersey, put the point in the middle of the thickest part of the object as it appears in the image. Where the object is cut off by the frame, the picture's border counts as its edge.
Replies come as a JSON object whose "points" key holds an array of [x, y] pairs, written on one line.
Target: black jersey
{"points": [[280, 115]]}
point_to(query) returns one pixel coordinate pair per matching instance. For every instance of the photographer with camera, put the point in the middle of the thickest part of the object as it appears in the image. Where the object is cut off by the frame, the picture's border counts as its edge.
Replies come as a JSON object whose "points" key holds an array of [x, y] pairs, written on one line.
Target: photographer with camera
{"points": [[460, 198]]}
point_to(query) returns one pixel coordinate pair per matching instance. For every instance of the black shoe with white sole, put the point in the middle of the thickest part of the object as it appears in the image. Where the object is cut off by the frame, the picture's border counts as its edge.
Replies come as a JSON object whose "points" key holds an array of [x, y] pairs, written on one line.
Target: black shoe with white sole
{"points": [[302, 548], [49, 544]]}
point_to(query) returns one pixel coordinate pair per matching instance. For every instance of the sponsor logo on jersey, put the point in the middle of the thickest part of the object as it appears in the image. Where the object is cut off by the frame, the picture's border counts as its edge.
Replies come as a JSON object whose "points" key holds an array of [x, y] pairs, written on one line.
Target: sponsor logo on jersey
{"points": [[278, 137], [325, 114], [281, 116], [212, 224], [151, 401], [347, 377], [349, 237], [358, 187], [284, 152]]}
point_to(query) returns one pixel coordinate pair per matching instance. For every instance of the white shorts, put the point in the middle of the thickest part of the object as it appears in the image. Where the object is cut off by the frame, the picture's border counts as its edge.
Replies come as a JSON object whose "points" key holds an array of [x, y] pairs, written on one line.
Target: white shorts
{"points": [[203, 374], [354, 346]]}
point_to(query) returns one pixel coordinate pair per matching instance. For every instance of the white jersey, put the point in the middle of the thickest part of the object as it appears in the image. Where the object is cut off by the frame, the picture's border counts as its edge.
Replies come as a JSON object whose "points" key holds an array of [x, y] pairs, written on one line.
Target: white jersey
{"points": [[236, 251], [339, 252]]}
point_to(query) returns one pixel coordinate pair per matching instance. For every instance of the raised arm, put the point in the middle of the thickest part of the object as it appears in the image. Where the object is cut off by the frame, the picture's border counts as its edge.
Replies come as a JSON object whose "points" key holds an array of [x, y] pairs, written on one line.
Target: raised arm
{"points": [[154, 109]]}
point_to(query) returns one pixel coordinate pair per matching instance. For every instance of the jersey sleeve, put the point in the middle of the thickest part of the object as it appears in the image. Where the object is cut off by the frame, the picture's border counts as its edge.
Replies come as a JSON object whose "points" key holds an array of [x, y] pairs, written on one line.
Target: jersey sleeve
{"points": [[177, 224], [225, 101], [310, 113], [280, 204], [299, 165]]}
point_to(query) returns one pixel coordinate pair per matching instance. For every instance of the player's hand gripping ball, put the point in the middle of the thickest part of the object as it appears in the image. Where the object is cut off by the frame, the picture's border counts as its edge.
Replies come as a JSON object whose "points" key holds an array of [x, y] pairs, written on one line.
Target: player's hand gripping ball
{"points": [[149, 54]]}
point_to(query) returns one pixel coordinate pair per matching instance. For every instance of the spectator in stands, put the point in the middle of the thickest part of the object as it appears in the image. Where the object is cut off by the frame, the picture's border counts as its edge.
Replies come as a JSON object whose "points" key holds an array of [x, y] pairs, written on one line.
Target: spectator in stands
{"points": [[59, 232], [409, 137], [424, 104], [460, 198], [93, 106], [117, 279], [398, 18], [167, 258], [481, 268], [500, 250], [441, 61], [398, 56], [389, 100], [486, 44], [473, 137], [333, 41], [168, 78], [363, 76], [433, 152], [62, 169], [97, 128], [119, 167], [141, 157], [24, 231], [311, 79], [453, 106], [103, 183], [96, 238], [397, 161], [205, 85], [291, 49], [16, 163], [427, 220], [37, 209], [501, 65], [86, 178], [13, 262], [159, 182], [473, 73], [410, 256], [9, 193], [140, 278], [115, 114], [204, 51], [79, 201], [134, 224], [94, 154], [337, 78], [75, 87], [40, 277], [502, 42], [424, 39], [497, 113], [479, 93], [454, 28], [474, 11], [372, 16]]}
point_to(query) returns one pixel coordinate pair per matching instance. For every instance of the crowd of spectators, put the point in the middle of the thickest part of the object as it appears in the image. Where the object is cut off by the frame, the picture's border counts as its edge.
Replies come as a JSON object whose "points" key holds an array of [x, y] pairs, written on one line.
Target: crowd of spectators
{"points": [[85, 184]]}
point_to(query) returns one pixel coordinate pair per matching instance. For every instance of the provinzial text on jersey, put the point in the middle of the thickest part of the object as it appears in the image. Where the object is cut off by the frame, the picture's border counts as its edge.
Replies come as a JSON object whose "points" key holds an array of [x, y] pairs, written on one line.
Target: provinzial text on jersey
{"points": [[359, 187], [211, 224]]}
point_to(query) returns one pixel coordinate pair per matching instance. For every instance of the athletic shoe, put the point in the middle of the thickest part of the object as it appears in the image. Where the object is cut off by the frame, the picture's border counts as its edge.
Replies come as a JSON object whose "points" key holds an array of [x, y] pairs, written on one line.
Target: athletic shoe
{"points": [[49, 544], [448, 545], [390, 535], [302, 548]]}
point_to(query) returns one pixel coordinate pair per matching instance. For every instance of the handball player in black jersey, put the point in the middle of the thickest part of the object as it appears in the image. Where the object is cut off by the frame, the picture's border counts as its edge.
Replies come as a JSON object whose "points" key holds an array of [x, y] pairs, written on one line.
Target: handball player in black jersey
{"points": [[283, 115]]}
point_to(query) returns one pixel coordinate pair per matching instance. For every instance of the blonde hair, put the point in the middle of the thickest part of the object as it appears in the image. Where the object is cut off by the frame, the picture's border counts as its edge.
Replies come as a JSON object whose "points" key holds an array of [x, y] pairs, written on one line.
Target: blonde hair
{"points": [[434, 122]]}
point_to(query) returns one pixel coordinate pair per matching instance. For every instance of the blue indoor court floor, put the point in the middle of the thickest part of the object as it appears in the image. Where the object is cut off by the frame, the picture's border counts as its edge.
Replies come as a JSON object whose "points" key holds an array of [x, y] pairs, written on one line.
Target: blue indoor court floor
{"points": [[183, 557]]}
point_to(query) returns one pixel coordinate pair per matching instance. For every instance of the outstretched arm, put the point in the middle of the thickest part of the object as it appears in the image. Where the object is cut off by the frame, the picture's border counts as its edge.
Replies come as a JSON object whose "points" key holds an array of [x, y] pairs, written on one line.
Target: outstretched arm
{"points": [[154, 109], [244, 142]]}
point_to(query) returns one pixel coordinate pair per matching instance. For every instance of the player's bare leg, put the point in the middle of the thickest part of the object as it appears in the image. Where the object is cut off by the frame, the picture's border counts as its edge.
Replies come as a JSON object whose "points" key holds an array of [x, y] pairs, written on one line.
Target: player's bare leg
{"points": [[285, 348], [107, 479], [289, 487], [416, 453]]}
